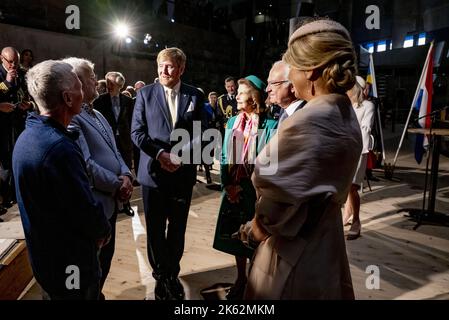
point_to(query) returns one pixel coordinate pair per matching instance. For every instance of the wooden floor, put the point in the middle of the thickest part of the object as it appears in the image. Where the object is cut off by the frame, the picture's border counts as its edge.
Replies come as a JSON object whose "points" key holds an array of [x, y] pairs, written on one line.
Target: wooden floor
{"points": [[412, 264]]}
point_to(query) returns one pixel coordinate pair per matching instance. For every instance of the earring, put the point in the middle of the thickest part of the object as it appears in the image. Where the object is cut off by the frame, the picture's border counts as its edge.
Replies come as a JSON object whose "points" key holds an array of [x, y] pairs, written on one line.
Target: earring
{"points": [[311, 88]]}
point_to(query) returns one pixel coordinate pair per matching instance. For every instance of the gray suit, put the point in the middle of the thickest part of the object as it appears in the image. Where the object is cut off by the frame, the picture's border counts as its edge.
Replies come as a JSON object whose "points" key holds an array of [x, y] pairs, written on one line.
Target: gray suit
{"points": [[104, 162], [104, 166]]}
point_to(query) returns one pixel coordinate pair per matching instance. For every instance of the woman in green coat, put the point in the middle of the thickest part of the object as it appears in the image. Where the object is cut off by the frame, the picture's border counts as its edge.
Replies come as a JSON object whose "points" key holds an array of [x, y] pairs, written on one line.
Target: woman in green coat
{"points": [[246, 134]]}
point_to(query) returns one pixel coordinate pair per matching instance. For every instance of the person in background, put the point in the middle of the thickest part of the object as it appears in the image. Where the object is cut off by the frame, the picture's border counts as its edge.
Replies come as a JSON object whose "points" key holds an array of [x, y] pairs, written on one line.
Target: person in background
{"points": [[127, 93], [227, 101], [26, 59], [364, 110], [131, 90], [139, 85], [117, 108], [210, 117], [16, 104], [101, 86]]}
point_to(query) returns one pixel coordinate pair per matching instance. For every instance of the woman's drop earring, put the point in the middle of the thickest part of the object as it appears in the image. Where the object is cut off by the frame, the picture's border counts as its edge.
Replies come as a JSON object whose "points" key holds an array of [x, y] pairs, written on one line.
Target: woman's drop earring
{"points": [[312, 88]]}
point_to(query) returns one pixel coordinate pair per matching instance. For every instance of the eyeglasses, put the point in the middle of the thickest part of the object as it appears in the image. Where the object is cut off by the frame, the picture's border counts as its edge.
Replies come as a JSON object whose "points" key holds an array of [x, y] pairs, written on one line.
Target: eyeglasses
{"points": [[277, 83], [14, 62]]}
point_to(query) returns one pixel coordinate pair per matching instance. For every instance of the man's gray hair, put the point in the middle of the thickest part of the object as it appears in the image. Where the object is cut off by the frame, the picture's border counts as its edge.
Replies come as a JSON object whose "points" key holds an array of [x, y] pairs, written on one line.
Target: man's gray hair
{"points": [[279, 64], [117, 77], [47, 80], [81, 67]]}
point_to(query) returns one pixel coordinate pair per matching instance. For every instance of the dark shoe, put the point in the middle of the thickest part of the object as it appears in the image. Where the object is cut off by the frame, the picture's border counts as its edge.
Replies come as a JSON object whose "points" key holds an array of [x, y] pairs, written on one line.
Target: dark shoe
{"points": [[3, 210], [236, 292], [176, 288], [354, 232], [127, 210], [162, 290], [8, 204]]}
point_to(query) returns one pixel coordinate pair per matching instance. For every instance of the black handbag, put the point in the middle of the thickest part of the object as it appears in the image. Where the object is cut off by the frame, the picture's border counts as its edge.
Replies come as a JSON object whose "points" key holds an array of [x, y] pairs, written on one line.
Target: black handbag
{"points": [[232, 216]]}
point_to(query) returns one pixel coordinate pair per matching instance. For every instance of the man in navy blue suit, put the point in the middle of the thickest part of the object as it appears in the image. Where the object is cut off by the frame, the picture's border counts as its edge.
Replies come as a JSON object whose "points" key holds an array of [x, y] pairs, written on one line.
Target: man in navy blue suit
{"points": [[166, 183]]}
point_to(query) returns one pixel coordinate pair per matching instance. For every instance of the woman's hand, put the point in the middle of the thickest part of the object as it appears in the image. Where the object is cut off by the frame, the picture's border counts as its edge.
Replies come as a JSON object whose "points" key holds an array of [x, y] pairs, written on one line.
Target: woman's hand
{"points": [[258, 233]]}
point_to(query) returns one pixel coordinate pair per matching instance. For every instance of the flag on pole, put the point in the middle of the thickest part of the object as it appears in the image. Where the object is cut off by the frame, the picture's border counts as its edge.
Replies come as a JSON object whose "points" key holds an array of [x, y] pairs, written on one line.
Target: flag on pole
{"points": [[423, 104], [371, 78]]}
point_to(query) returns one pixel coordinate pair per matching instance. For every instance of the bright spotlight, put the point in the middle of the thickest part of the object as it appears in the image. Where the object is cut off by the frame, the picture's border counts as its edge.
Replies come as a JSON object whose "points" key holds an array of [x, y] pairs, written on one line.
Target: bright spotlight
{"points": [[172, 20], [128, 40], [121, 30]]}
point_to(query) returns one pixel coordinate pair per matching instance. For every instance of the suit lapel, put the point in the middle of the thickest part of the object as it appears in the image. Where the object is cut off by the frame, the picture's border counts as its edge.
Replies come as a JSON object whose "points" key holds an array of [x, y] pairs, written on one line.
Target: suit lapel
{"points": [[160, 97], [92, 122]]}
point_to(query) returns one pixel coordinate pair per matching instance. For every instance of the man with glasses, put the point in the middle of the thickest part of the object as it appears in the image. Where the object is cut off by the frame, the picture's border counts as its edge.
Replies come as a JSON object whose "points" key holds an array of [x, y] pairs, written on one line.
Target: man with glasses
{"points": [[14, 101], [118, 109], [110, 178], [281, 91]]}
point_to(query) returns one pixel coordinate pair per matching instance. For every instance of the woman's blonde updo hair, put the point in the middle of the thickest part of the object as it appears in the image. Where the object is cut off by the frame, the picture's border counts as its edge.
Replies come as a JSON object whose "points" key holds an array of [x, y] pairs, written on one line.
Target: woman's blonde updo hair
{"points": [[324, 45]]}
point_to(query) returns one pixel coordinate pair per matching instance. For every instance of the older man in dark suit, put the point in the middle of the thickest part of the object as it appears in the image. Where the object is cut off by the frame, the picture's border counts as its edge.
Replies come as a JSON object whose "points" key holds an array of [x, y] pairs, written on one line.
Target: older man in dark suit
{"points": [[166, 183], [117, 109]]}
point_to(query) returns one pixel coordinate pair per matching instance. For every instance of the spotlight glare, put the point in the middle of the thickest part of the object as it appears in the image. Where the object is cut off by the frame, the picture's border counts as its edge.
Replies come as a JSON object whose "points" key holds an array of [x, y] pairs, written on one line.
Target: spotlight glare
{"points": [[121, 30], [172, 20], [128, 40]]}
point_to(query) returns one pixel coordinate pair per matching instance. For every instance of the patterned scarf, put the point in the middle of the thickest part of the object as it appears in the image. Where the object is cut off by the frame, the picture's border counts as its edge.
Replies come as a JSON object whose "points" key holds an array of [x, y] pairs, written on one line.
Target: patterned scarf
{"points": [[242, 146]]}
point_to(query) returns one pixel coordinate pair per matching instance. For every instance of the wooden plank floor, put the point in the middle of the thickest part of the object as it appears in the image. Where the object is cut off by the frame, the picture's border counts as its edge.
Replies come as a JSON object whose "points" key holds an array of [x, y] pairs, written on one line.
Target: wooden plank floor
{"points": [[412, 264]]}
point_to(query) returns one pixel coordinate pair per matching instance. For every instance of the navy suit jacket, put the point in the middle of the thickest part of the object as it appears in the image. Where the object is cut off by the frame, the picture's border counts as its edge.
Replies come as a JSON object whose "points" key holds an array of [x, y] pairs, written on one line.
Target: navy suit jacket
{"points": [[151, 128]]}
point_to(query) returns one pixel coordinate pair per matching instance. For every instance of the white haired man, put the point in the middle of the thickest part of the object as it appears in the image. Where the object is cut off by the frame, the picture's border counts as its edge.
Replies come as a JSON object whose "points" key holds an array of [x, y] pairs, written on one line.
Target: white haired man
{"points": [[118, 109], [110, 178], [281, 91], [64, 226]]}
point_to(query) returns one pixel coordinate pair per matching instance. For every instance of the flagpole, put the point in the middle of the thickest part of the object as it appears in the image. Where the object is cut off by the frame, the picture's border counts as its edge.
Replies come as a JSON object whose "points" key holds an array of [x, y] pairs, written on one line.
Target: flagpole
{"points": [[374, 84], [413, 104]]}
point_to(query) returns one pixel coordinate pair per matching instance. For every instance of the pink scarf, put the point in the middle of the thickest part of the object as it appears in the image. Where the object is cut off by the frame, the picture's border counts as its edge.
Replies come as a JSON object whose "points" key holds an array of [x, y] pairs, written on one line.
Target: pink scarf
{"points": [[242, 146]]}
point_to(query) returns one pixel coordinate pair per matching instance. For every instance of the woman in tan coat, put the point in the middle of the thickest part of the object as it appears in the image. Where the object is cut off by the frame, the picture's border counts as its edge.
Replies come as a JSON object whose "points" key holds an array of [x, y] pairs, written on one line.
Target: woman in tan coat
{"points": [[302, 253]]}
